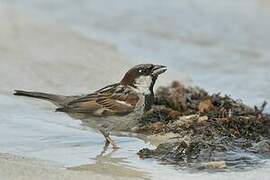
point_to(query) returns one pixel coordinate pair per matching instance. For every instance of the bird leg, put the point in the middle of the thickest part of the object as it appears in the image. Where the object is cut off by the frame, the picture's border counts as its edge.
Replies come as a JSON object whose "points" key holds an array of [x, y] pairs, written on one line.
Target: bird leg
{"points": [[108, 139]]}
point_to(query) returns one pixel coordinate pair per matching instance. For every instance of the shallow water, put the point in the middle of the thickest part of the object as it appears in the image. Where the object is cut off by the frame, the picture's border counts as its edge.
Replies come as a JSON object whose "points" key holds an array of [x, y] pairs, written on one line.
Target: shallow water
{"points": [[31, 128], [218, 45]]}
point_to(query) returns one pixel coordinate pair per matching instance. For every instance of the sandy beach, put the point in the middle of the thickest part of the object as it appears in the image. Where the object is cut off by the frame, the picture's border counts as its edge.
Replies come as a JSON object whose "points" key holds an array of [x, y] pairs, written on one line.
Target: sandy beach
{"points": [[21, 168]]}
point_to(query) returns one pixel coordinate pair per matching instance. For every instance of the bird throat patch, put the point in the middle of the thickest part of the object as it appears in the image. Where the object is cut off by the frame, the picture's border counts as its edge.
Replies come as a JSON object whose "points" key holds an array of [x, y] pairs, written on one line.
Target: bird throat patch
{"points": [[142, 84]]}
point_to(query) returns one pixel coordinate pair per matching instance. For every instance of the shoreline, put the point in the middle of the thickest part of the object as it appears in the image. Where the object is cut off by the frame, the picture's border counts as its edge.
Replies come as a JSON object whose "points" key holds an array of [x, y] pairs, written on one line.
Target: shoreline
{"points": [[19, 167]]}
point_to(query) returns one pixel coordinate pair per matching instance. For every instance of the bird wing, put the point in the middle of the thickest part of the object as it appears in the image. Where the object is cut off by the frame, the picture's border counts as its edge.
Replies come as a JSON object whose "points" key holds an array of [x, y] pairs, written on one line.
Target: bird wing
{"points": [[108, 101]]}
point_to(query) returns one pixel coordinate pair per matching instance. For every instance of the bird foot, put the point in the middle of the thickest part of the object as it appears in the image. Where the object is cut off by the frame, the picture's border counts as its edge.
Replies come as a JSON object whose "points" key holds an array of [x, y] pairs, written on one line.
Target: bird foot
{"points": [[108, 139]]}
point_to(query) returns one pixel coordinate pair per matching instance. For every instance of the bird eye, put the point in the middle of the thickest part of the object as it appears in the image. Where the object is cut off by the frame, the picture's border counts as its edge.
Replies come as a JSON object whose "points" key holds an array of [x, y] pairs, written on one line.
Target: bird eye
{"points": [[144, 70]]}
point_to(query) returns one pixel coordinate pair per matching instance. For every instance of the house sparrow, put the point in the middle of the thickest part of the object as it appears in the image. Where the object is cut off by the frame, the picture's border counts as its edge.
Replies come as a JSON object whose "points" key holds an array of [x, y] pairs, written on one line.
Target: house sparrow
{"points": [[114, 107]]}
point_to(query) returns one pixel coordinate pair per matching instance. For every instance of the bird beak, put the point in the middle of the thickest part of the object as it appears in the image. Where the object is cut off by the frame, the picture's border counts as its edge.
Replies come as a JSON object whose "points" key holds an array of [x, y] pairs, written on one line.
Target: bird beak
{"points": [[158, 69]]}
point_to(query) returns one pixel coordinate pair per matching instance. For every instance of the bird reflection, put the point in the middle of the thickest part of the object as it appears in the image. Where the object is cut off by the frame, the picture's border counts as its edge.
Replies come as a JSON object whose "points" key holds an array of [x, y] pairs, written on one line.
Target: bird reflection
{"points": [[107, 163]]}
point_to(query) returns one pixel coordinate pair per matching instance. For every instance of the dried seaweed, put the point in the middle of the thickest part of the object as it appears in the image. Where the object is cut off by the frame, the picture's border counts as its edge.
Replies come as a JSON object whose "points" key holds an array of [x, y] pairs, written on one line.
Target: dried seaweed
{"points": [[208, 128]]}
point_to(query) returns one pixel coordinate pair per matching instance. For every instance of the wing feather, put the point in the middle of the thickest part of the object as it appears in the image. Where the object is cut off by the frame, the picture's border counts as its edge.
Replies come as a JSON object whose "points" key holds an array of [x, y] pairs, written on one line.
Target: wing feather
{"points": [[107, 101]]}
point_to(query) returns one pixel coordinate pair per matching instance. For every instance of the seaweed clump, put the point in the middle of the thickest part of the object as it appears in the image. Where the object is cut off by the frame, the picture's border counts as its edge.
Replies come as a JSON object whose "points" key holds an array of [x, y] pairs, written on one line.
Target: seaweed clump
{"points": [[207, 128]]}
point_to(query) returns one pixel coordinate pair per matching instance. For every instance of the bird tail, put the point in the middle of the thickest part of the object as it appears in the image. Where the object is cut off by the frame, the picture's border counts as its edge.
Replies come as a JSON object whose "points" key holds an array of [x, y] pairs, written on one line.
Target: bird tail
{"points": [[56, 99]]}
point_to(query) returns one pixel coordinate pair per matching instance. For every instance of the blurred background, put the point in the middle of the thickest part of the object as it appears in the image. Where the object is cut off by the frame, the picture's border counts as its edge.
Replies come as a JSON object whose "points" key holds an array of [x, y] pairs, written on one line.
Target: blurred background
{"points": [[222, 46], [77, 46]]}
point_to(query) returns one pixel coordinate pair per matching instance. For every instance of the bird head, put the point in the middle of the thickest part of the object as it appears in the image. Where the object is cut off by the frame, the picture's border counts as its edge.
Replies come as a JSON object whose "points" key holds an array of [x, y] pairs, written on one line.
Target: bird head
{"points": [[142, 77]]}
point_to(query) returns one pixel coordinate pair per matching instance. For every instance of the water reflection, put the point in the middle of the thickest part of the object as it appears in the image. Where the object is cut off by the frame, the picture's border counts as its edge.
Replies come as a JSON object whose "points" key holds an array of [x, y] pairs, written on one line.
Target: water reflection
{"points": [[106, 163]]}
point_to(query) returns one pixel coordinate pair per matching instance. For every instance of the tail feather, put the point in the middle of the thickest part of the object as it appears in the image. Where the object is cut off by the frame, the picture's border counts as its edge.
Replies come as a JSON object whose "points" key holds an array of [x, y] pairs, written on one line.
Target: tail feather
{"points": [[56, 99]]}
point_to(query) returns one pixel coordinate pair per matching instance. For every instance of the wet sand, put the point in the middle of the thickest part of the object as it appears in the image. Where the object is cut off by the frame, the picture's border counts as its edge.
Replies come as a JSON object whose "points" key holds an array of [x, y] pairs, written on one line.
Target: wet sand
{"points": [[16, 167]]}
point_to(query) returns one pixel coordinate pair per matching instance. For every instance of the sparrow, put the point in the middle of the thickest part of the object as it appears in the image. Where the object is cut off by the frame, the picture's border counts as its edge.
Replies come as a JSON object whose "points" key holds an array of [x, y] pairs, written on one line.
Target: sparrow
{"points": [[117, 106]]}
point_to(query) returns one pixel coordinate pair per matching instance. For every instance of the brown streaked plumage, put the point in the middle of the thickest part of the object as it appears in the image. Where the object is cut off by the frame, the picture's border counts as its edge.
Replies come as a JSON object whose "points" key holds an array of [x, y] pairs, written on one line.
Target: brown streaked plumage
{"points": [[117, 100], [117, 103]]}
